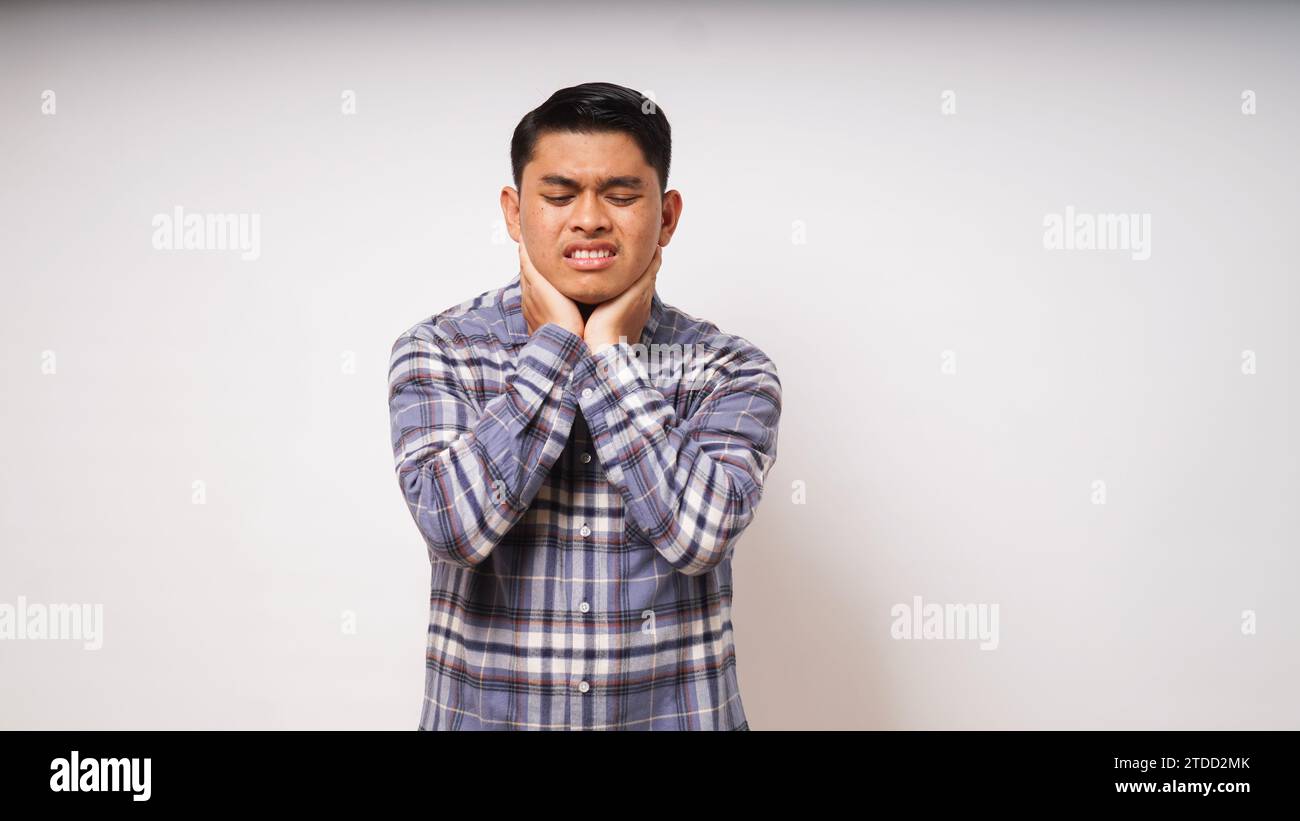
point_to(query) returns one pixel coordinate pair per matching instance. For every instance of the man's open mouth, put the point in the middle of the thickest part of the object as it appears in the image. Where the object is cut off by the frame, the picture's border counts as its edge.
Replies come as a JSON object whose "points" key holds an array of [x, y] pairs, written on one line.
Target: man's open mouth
{"points": [[590, 258]]}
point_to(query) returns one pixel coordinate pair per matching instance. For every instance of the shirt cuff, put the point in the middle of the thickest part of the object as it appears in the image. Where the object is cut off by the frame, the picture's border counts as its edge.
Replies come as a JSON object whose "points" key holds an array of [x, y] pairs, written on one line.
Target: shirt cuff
{"points": [[614, 377], [551, 353]]}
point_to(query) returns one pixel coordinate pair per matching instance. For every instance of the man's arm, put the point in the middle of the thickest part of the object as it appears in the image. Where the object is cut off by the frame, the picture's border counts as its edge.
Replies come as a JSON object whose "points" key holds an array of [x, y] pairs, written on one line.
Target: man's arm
{"points": [[468, 474], [691, 485]]}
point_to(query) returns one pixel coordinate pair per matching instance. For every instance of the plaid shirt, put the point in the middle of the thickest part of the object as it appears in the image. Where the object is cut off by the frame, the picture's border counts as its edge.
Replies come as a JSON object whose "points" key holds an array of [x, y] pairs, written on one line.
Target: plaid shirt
{"points": [[580, 512]]}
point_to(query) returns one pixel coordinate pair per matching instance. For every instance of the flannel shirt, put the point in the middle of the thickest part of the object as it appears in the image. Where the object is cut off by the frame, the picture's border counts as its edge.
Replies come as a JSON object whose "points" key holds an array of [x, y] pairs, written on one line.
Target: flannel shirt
{"points": [[580, 512]]}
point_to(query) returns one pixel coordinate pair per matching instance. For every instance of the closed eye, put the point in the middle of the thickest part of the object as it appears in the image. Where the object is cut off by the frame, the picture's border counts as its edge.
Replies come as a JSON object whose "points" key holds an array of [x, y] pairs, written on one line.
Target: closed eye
{"points": [[616, 200]]}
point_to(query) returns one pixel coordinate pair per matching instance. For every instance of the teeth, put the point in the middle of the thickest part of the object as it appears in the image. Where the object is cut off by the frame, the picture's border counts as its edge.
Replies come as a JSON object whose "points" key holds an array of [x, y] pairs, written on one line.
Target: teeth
{"points": [[601, 254]]}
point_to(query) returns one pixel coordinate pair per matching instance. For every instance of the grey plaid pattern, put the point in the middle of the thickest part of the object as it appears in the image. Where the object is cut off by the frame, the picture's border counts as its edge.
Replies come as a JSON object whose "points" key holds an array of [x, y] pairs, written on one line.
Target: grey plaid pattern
{"points": [[580, 510]]}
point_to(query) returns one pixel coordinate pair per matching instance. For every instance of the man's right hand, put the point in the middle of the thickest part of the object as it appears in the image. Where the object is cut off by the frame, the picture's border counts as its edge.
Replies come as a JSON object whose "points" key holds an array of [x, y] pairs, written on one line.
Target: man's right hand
{"points": [[542, 303]]}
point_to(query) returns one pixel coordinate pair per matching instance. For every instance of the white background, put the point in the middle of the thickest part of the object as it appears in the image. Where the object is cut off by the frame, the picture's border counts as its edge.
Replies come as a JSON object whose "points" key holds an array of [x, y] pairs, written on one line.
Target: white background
{"points": [[924, 235]]}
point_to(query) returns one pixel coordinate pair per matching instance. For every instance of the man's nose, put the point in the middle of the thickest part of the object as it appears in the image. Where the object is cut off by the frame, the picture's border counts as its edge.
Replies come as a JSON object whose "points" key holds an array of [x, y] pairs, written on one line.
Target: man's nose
{"points": [[589, 213]]}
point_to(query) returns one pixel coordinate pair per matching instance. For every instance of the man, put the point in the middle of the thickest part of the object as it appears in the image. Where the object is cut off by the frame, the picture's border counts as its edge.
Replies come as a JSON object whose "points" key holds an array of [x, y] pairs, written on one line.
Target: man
{"points": [[579, 456]]}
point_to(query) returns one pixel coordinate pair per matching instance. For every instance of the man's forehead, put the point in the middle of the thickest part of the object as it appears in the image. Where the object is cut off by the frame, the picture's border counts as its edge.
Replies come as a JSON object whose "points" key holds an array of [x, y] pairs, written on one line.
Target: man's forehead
{"points": [[596, 141], [588, 158]]}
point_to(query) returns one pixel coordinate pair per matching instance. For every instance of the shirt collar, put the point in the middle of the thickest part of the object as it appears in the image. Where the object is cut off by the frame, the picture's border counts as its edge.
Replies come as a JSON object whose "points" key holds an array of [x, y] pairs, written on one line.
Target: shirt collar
{"points": [[511, 306]]}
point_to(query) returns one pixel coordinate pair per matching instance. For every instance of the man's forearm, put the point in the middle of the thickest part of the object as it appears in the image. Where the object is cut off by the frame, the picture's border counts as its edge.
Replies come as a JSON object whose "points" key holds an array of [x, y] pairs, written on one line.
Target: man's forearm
{"points": [[691, 485], [468, 476]]}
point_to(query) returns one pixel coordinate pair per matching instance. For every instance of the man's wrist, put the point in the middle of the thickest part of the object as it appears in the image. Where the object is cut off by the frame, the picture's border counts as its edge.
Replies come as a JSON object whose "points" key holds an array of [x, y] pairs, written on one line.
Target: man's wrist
{"points": [[578, 332], [598, 342]]}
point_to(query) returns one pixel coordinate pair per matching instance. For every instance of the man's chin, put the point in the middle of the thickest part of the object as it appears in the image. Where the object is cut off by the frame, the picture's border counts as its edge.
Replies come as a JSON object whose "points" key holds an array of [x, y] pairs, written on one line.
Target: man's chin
{"points": [[590, 294]]}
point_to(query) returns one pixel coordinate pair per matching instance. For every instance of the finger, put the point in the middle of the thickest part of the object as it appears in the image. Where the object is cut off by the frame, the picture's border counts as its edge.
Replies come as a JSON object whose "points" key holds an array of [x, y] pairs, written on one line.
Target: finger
{"points": [[530, 284], [525, 261], [655, 262], [652, 270]]}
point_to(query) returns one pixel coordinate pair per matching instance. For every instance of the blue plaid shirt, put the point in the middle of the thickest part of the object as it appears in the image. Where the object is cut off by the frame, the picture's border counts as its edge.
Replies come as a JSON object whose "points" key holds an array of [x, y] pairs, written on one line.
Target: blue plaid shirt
{"points": [[580, 512]]}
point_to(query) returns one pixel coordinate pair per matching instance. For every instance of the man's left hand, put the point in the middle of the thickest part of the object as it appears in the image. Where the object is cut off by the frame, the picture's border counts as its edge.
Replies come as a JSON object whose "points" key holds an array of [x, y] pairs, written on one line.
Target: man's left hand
{"points": [[626, 314]]}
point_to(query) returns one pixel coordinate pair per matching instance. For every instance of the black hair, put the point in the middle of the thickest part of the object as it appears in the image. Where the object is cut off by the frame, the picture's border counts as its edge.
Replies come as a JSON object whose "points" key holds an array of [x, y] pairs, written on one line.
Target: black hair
{"points": [[597, 107]]}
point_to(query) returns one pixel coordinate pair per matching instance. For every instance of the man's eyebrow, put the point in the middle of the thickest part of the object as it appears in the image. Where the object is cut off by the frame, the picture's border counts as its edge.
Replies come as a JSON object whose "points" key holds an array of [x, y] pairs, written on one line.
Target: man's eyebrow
{"points": [[626, 181]]}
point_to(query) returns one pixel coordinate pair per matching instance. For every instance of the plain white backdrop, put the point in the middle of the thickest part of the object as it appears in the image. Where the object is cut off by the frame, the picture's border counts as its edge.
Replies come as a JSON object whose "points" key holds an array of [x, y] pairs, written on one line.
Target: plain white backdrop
{"points": [[834, 215]]}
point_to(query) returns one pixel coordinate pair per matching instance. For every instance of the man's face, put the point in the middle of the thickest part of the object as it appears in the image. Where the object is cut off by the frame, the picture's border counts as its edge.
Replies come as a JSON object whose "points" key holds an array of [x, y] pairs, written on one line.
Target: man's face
{"points": [[585, 192]]}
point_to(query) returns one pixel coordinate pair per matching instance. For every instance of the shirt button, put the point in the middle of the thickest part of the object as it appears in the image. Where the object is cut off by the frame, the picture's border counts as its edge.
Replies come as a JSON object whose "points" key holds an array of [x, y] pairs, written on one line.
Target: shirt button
{"points": [[584, 686], [584, 607], [586, 393], [586, 457], [586, 531]]}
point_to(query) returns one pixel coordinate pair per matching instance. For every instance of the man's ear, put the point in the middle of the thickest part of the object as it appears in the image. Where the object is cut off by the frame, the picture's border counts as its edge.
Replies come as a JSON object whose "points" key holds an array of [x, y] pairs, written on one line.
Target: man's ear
{"points": [[510, 210], [671, 214]]}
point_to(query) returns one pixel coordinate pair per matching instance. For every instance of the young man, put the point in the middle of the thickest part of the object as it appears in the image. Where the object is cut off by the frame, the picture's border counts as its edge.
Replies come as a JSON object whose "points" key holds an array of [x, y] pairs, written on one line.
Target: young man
{"points": [[579, 456]]}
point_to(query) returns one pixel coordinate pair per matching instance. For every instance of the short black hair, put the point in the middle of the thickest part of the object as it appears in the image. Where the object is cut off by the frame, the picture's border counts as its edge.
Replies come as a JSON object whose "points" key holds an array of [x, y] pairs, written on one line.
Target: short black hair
{"points": [[597, 107]]}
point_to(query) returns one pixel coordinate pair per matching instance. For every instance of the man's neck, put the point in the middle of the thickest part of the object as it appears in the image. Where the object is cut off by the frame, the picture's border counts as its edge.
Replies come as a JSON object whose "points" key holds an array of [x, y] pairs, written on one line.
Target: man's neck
{"points": [[585, 310]]}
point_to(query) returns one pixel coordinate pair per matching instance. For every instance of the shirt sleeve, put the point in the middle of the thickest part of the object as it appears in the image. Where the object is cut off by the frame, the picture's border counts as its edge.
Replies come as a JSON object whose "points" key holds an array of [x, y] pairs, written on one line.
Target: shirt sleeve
{"points": [[691, 485], [469, 470]]}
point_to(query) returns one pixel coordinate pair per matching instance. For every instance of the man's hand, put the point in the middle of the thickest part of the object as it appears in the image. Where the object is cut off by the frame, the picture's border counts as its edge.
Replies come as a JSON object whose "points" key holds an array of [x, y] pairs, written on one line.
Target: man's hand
{"points": [[626, 314], [542, 303]]}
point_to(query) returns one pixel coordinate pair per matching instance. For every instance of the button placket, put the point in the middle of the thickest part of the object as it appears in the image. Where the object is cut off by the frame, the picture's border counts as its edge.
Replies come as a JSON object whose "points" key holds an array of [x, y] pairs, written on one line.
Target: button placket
{"points": [[585, 445]]}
